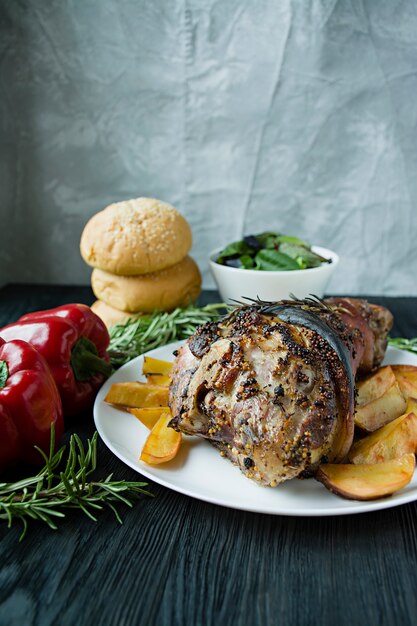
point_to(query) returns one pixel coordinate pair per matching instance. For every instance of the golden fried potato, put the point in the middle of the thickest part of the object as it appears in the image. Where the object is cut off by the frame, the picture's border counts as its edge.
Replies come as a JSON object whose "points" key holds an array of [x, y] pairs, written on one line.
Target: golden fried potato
{"points": [[367, 482], [379, 401], [162, 443], [137, 395]]}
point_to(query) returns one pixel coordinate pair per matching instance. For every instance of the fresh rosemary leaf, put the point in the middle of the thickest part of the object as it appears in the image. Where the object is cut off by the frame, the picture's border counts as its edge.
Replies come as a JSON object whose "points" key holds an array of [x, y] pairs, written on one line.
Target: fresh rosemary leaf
{"points": [[134, 337], [410, 345], [62, 484]]}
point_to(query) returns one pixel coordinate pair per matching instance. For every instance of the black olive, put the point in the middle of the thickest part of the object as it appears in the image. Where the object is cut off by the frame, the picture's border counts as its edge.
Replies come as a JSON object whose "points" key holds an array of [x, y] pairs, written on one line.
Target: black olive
{"points": [[252, 242]]}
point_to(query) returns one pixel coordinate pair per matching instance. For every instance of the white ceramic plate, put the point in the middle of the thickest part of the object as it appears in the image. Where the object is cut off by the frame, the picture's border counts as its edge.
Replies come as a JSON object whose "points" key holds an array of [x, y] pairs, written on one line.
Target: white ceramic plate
{"points": [[200, 472]]}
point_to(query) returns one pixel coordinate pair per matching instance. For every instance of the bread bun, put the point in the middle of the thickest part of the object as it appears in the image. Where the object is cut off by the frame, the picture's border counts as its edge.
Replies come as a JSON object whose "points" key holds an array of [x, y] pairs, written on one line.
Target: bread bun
{"points": [[135, 237], [111, 316], [163, 290]]}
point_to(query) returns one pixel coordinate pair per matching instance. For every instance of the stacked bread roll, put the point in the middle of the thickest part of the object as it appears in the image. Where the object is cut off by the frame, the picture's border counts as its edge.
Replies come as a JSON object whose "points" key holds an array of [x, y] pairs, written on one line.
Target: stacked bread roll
{"points": [[139, 252]]}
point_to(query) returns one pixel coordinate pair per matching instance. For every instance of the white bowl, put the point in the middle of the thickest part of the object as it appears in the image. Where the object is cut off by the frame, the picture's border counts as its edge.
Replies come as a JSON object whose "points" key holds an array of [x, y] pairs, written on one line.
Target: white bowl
{"points": [[235, 283]]}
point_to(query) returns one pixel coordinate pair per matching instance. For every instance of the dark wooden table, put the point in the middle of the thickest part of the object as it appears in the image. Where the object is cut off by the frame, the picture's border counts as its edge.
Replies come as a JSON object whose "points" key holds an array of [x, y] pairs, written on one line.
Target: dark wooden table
{"points": [[179, 561]]}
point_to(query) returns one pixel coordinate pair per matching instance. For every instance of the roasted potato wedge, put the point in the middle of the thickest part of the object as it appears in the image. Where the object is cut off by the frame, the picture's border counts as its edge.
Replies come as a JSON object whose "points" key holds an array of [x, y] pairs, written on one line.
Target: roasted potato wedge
{"points": [[149, 415], [379, 401], [375, 385], [392, 441], [158, 379], [411, 405], [156, 366], [406, 376], [162, 443], [367, 482], [137, 395]]}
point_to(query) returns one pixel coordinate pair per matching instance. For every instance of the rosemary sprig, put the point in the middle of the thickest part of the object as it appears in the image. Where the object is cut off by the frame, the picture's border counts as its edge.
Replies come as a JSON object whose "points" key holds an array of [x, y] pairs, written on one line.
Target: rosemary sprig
{"points": [[135, 337], [62, 484], [403, 344]]}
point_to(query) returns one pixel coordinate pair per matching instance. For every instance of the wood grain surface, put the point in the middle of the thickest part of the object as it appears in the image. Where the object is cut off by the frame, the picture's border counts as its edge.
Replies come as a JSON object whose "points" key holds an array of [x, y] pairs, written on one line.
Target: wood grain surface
{"points": [[179, 561]]}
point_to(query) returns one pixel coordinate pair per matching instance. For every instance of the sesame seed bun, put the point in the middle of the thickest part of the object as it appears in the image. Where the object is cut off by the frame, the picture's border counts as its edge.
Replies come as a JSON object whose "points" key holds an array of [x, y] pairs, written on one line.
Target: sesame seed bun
{"points": [[110, 315], [165, 290], [135, 237]]}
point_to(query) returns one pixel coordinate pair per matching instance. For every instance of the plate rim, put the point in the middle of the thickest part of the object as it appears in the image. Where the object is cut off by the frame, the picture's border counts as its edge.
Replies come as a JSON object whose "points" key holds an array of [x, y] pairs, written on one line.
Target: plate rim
{"points": [[349, 507]]}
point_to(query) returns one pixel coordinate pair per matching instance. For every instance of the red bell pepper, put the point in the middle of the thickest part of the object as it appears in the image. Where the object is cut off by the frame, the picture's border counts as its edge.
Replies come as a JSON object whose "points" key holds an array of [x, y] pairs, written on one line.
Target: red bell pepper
{"points": [[73, 341], [29, 404]]}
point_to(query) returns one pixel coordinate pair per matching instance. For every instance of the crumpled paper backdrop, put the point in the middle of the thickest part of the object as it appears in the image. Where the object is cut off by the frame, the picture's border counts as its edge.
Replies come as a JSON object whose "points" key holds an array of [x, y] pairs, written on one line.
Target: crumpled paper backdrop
{"points": [[294, 116]]}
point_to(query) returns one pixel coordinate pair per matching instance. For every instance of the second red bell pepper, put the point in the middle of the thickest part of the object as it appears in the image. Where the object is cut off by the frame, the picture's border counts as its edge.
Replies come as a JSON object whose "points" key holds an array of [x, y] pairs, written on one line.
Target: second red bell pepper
{"points": [[73, 341]]}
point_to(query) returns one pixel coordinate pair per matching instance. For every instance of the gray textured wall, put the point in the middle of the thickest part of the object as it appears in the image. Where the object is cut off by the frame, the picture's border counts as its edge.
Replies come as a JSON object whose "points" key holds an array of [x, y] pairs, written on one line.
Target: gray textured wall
{"points": [[294, 115]]}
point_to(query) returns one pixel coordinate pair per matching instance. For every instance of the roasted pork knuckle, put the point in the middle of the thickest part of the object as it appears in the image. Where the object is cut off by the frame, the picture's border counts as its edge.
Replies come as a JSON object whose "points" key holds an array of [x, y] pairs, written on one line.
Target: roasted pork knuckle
{"points": [[272, 385]]}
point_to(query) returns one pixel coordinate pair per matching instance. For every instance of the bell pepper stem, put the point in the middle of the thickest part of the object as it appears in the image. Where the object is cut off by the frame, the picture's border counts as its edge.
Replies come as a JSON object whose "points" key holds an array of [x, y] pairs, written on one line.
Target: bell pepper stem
{"points": [[96, 364], [86, 362]]}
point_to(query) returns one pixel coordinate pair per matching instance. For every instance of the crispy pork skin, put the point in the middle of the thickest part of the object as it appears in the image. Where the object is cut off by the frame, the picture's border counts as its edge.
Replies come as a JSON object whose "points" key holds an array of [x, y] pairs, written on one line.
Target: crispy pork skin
{"points": [[272, 385]]}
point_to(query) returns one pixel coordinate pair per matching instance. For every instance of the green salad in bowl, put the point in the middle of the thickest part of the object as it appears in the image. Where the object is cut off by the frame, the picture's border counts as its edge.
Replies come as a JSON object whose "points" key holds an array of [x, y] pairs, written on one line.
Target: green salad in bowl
{"points": [[271, 266], [271, 252]]}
